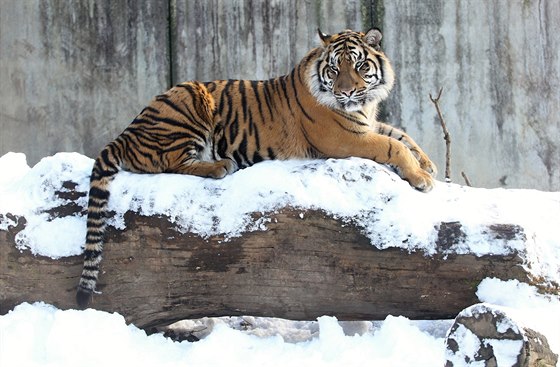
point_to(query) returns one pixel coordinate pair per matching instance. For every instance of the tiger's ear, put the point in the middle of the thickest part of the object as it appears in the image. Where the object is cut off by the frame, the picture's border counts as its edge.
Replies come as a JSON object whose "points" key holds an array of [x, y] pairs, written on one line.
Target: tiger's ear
{"points": [[325, 38], [373, 38]]}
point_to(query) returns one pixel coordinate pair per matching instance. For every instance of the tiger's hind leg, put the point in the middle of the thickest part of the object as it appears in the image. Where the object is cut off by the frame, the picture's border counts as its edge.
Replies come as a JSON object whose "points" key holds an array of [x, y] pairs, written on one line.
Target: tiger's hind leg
{"points": [[213, 169], [425, 163]]}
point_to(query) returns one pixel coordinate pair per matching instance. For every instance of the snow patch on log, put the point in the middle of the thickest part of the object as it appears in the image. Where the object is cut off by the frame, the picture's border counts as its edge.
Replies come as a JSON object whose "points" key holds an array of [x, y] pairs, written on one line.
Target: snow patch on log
{"points": [[452, 219]]}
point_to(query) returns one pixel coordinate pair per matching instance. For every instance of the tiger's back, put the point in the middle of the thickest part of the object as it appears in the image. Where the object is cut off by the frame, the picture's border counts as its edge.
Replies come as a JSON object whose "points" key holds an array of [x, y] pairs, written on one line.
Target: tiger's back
{"points": [[326, 107]]}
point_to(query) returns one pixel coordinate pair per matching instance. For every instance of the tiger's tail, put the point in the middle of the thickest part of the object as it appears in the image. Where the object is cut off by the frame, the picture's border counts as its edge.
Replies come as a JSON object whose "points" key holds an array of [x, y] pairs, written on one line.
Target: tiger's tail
{"points": [[106, 166]]}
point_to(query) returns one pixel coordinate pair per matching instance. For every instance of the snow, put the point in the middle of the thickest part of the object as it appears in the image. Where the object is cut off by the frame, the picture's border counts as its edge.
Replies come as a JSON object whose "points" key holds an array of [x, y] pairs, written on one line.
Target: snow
{"points": [[357, 191], [42, 335]]}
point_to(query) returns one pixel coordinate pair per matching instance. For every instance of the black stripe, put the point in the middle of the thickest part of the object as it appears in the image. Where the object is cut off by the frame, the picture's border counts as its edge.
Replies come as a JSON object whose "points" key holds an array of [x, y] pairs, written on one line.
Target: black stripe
{"points": [[173, 136], [88, 277], [233, 129], [257, 157], [195, 98], [347, 129], [243, 148], [186, 144], [91, 254], [230, 109], [211, 86], [146, 141], [315, 150], [96, 227], [257, 140], [380, 61], [222, 99], [362, 113], [292, 77], [200, 134], [243, 99], [99, 193], [282, 82], [350, 118], [275, 84], [267, 96], [255, 86], [251, 124], [238, 159], [188, 114], [107, 161], [149, 108], [390, 149], [271, 153], [94, 239], [222, 146], [132, 155], [318, 72], [95, 216], [141, 141]]}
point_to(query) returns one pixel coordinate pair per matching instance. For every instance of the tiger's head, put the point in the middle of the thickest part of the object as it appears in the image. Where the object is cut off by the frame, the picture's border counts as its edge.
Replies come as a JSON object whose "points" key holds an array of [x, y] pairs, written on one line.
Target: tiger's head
{"points": [[351, 71]]}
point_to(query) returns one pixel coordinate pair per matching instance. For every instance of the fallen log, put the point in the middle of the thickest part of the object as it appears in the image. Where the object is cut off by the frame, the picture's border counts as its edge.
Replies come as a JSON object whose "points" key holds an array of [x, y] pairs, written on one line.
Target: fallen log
{"points": [[382, 249], [300, 267], [485, 335]]}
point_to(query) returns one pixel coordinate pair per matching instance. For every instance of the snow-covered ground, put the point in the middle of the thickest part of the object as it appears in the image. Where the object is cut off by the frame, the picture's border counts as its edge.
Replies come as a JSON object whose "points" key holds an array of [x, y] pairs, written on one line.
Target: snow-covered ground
{"points": [[357, 191], [41, 335]]}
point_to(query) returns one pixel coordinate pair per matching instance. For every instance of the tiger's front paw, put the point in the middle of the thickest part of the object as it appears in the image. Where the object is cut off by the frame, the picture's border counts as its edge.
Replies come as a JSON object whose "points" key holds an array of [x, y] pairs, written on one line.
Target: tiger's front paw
{"points": [[230, 165], [427, 165], [420, 179], [224, 167]]}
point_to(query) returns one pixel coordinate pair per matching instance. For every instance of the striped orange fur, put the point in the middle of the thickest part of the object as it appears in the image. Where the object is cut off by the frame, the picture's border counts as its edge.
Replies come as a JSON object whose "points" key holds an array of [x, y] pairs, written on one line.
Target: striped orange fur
{"points": [[325, 107]]}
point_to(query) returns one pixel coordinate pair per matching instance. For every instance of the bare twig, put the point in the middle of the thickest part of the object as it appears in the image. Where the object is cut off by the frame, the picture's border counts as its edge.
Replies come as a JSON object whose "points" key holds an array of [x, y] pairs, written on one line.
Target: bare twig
{"points": [[446, 136], [466, 178]]}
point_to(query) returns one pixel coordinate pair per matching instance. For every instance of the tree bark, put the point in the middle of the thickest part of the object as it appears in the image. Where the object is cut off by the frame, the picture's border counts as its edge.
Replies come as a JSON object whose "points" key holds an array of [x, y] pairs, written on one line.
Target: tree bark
{"points": [[299, 268]]}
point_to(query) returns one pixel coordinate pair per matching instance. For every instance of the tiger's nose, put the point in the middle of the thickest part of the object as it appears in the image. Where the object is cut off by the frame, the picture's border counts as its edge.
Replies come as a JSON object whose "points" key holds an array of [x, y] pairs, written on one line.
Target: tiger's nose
{"points": [[348, 92]]}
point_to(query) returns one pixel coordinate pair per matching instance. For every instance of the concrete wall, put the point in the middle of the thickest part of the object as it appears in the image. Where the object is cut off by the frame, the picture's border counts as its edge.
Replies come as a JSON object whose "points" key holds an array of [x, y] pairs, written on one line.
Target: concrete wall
{"points": [[74, 74], [218, 39], [499, 64]]}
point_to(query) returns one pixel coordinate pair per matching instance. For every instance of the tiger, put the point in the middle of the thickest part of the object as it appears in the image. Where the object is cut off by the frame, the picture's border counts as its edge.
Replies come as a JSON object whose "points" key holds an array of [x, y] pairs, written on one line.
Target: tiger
{"points": [[326, 107]]}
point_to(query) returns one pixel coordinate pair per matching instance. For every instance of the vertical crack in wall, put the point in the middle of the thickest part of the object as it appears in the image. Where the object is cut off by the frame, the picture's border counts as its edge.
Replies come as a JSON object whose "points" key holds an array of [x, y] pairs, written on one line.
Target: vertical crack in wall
{"points": [[366, 15], [377, 12], [172, 40]]}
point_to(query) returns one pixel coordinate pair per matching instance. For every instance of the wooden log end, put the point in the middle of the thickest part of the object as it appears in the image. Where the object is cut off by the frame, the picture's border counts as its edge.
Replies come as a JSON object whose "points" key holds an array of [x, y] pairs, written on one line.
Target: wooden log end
{"points": [[484, 335]]}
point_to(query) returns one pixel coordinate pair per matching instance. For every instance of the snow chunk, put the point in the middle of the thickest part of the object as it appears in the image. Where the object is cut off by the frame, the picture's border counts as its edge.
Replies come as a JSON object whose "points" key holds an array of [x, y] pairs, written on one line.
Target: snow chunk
{"points": [[39, 239], [525, 305]]}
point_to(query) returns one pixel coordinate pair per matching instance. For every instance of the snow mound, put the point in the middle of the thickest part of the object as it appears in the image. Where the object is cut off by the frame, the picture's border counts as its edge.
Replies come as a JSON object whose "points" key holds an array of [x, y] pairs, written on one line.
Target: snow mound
{"points": [[41, 335], [357, 191]]}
